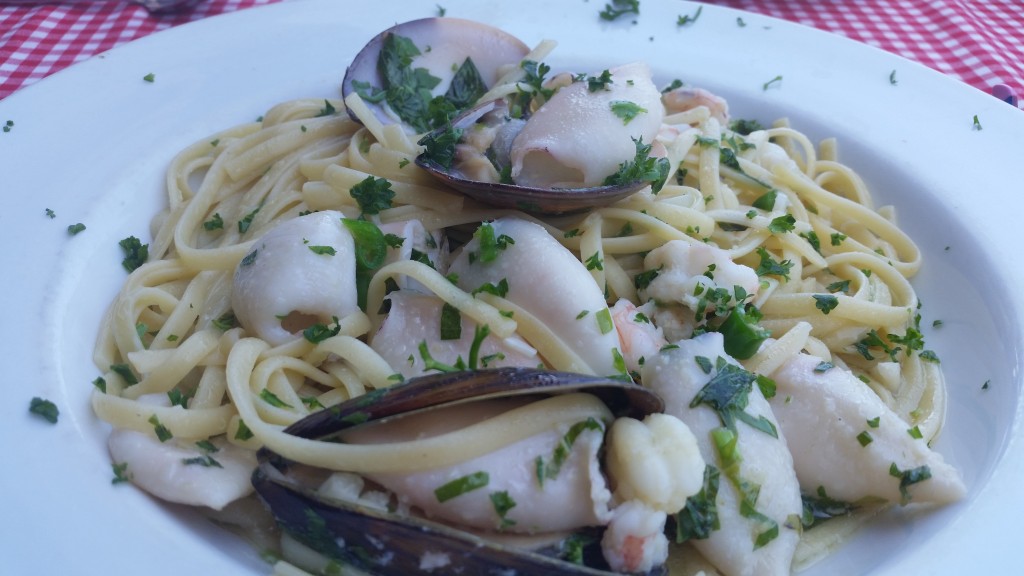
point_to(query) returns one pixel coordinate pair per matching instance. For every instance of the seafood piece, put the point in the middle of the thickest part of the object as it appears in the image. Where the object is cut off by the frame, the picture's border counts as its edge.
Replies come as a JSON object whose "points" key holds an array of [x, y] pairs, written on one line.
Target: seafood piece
{"points": [[547, 162], [556, 148], [185, 474], [638, 335], [635, 540], [686, 98], [417, 242], [693, 377], [414, 320], [549, 282], [299, 273], [448, 57], [688, 270], [844, 438], [371, 538], [574, 496], [656, 461]]}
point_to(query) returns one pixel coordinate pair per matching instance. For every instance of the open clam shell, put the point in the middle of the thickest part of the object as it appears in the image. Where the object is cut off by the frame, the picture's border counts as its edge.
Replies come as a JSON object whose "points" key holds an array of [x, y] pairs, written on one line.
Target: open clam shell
{"points": [[444, 44], [386, 543], [534, 200]]}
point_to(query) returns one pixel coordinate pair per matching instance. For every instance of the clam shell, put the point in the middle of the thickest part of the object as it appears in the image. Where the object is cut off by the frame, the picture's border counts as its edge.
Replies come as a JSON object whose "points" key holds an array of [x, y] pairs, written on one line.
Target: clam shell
{"points": [[450, 41], [387, 544], [548, 201]]}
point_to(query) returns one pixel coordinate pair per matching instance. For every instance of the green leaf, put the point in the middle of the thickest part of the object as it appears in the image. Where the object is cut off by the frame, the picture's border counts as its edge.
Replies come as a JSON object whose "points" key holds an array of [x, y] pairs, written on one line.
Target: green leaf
{"points": [[45, 409], [626, 110], [462, 485], [135, 253], [373, 194], [451, 322]]}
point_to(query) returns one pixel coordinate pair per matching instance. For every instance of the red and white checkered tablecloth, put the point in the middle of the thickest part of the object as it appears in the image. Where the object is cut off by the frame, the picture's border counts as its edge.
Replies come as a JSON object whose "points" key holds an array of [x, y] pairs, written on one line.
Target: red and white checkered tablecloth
{"points": [[978, 42]]}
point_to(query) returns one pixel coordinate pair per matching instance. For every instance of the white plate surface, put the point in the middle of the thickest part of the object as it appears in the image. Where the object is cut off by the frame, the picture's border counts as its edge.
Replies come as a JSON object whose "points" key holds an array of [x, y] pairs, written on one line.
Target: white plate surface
{"points": [[92, 143]]}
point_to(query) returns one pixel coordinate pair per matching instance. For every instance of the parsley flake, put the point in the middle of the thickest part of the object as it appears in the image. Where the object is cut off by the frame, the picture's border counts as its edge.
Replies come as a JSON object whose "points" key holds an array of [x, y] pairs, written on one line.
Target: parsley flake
{"points": [[45, 409]]}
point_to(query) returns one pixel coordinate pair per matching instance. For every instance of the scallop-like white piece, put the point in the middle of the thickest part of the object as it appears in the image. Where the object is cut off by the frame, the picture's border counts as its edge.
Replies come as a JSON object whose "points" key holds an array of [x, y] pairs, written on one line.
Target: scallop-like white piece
{"points": [[292, 272], [845, 439], [677, 376], [683, 267], [576, 140], [576, 496], [183, 474], [549, 282], [415, 319]]}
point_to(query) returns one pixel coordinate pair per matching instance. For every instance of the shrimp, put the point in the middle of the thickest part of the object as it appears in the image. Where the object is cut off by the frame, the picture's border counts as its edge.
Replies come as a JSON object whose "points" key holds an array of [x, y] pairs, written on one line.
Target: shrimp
{"points": [[638, 336], [634, 541]]}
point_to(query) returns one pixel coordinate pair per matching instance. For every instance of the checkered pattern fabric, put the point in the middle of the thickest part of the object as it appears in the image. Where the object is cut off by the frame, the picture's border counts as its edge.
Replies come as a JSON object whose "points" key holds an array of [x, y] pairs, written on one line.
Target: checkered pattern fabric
{"points": [[980, 43]]}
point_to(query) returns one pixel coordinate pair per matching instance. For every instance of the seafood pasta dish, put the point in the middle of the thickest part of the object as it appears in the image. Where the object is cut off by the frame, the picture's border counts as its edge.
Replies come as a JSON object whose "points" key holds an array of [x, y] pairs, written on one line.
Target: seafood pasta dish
{"points": [[478, 314]]}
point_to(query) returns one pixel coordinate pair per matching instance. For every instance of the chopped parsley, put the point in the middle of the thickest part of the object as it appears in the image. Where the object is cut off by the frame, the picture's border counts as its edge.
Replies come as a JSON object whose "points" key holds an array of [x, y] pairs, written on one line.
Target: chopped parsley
{"points": [[161, 431], [125, 372], [604, 321], [323, 250], [120, 473], [976, 124], [75, 228], [892, 78], [50, 214], [319, 332], [45, 409], [617, 8], [502, 503], [327, 110], [699, 517], [214, 223], [451, 322], [489, 244], [500, 289], [246, 221], [626, 110], [205, 460], [8, 126], [771, 267], [373, 194], [594, 262], [272, 399], [728, 393], [462, 485], [548, 470], [773, 82], [642, 168], [595, 83], [908, 478], [865, 438], [825, 302], [243, 432], [683, 20], [149, 77], [819, 508], [135, 253], [741, 333], [782, 224]]}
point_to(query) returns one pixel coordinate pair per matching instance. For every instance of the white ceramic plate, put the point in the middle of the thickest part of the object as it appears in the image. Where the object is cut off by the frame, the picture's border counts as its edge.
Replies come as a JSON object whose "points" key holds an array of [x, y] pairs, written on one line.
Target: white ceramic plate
{"points": [[92, 142]]}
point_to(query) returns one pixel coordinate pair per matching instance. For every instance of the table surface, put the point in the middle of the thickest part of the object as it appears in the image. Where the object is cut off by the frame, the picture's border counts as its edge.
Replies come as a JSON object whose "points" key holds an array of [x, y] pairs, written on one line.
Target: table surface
{"points": [[979, 43]]}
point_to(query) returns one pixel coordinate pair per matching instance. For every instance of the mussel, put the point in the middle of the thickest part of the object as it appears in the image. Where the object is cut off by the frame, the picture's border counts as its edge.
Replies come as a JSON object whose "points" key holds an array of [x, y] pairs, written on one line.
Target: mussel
{"points": [[403, 68], [466, 177], [387, 542], [580, 144]]}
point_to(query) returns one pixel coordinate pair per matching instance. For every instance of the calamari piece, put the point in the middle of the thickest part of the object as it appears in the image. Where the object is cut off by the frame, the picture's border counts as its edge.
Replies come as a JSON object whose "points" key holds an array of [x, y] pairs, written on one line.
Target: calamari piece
{"points": [[549, 282], [677, 375], [683, 266], [638, 335], [573, 494], [415, 238], [846, 440], [686, 98], [303, 270], [415, 319], [183, 473], [655, 461], [556, 147], [634, 541]]}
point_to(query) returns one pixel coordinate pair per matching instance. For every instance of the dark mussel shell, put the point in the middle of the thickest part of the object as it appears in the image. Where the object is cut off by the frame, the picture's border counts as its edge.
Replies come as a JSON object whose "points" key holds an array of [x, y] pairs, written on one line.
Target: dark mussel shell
{"points": [[454, 38], [530, 199], [387, 544]]}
